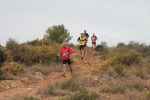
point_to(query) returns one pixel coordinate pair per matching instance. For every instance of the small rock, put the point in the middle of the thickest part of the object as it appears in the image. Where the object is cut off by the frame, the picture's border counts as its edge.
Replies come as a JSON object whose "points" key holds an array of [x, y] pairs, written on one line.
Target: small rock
{"points": [[25, 79], [29, 89], [108, 97], [95, 78], [17, 83], [39, 75]]}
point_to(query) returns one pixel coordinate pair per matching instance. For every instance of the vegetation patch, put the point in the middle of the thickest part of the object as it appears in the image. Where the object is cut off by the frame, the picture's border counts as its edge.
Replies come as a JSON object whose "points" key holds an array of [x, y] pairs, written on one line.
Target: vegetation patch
{"points": [[51, 90], [71, 84], [30, 54], [2, 60], [139, 73], [114, 90], [135, 85], [83, 94], [14, 68], [18, 97]]}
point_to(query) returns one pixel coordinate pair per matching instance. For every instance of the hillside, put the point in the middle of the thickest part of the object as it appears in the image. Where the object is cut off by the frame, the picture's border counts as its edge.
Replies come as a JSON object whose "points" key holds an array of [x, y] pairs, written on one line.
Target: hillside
{"points": [[92, 79], [10, 88]]}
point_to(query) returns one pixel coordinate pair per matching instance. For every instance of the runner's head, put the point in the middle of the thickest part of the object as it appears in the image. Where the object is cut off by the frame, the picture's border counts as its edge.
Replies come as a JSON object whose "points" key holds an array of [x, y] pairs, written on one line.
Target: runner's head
{"points": [[84, 31], [64, 44], [82, 34], [93, 34]]}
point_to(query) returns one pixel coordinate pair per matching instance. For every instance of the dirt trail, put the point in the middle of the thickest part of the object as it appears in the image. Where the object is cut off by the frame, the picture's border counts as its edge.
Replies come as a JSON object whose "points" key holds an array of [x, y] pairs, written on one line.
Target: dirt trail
{"points": [[32, 89]]}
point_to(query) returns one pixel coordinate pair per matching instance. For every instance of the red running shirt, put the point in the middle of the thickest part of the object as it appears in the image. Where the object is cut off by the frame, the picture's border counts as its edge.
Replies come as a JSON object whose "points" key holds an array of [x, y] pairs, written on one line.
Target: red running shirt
{"points": [[65, 53]]}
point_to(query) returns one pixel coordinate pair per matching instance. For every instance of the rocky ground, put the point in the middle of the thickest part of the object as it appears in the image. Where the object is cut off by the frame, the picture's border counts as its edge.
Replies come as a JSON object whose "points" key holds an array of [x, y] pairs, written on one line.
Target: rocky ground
{"points": [[24, 87], [10, 88]]}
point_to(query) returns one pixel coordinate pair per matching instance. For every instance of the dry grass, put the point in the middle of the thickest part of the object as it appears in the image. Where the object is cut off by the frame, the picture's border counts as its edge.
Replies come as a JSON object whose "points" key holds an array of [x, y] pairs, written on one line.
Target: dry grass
{"points": [[83, 94], [18, 97], [51, 90], [114, 82], [46, 70], [29, 72], [114, 90]]}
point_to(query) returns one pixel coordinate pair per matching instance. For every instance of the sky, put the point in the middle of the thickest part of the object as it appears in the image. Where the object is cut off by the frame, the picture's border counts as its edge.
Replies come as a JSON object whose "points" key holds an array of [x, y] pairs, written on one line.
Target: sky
{"points": [[112, 21]]}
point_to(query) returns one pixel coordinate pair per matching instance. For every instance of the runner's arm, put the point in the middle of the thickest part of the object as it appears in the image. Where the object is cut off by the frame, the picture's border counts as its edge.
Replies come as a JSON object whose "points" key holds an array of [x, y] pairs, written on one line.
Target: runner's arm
{"points": [[87, 35], [78, 39], [60, 53]]}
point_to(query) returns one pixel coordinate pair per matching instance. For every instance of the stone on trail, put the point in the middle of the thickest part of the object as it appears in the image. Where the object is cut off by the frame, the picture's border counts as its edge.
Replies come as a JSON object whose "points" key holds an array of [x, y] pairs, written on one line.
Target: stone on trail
{"points": [[39, 76]]}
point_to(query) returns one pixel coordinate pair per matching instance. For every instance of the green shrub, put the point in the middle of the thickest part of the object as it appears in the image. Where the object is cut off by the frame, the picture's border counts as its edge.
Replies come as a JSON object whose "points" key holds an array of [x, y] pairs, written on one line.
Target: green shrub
{"points": [[114, 90], [30, 98], [50, 90], [120, 45], [119, 69], [148, 96], [70, 84], [135, 85], [24, 98], [139, 73], [2, 60], [99, 48], [32, 53], [142, 48], [40, 42], [14, 68], [42, 69], [28, 55], [48, 54], [125, 58], [33, 42], [83, 95], [2, 56], [121, 89], [62, 99], [47, 90], [36, 68], [58, 34], [105, 90], [94, 96], [13, 48]]}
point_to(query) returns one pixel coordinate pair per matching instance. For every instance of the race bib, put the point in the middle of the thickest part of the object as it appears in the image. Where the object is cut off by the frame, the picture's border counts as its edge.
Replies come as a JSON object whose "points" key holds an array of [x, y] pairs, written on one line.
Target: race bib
{"points": [[65, 54], [93, 38], [82, 42]]}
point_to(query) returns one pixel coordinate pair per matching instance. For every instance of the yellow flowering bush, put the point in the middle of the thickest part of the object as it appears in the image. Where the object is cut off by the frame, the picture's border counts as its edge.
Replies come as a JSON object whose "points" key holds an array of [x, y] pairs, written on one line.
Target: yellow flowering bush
{"points": [[13, 67], [29, 54], [48, 53]]}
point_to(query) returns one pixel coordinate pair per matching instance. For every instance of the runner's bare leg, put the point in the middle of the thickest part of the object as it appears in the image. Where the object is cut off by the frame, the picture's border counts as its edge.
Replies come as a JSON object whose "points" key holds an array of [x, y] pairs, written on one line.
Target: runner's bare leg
{"points": [[70, 66], [64, 69]]}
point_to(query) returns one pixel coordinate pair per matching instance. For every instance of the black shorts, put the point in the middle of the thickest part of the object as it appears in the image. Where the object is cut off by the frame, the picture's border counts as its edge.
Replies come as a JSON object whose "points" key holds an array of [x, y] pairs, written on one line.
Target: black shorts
{"points": [[94, 43], [81, 47], [66, 61]]}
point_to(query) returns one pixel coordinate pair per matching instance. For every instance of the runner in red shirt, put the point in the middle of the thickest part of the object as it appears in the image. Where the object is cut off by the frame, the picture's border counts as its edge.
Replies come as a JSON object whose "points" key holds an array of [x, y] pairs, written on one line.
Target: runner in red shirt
{"points": [[65, 54]]}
